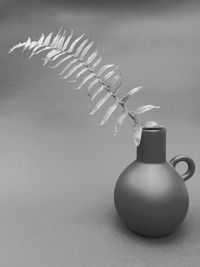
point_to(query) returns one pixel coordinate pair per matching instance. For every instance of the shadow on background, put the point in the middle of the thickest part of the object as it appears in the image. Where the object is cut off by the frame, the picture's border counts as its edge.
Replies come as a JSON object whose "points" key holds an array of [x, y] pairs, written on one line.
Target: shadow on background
{"points": [[136, 5], [178, 236], [10, 7]]}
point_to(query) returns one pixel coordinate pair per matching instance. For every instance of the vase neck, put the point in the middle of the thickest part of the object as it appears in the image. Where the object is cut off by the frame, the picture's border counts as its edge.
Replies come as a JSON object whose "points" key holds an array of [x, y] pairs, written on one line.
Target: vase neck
{"points": [[152, 148]]}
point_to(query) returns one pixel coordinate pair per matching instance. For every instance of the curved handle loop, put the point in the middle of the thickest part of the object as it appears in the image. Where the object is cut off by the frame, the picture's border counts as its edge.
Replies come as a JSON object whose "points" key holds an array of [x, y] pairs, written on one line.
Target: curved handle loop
{"points": [[190, 163]]}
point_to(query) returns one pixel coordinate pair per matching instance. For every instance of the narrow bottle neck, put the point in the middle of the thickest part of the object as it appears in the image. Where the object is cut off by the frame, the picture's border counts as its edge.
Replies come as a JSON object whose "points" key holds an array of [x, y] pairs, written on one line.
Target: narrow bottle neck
{"points": [[152, 148]]}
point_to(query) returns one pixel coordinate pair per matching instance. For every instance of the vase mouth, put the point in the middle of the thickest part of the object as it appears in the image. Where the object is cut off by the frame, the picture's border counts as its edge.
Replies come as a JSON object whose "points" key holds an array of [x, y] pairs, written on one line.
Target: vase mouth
{"points": [[153, 129]]}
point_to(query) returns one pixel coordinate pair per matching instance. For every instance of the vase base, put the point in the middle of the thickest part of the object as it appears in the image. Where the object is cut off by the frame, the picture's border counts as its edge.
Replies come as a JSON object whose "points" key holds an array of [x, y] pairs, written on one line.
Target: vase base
{"points": [[152, 235]]}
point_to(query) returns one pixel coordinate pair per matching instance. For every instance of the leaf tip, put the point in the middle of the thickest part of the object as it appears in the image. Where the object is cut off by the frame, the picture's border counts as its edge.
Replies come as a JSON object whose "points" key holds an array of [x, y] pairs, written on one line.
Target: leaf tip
{"points": [[102, 122]]}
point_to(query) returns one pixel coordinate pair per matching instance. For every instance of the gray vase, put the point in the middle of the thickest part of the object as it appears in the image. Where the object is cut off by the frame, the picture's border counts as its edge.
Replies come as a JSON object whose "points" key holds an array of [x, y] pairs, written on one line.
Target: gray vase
{"points": [[150, 196]]}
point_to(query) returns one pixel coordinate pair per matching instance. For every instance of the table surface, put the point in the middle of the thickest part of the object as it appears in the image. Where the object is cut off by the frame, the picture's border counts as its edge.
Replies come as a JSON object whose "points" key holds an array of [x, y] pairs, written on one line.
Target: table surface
{"points": [[59, 167]]}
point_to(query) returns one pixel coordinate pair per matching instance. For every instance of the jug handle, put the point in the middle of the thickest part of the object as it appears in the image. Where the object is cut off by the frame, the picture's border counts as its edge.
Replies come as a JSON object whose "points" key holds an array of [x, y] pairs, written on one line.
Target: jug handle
{"points": [[190, 163]]}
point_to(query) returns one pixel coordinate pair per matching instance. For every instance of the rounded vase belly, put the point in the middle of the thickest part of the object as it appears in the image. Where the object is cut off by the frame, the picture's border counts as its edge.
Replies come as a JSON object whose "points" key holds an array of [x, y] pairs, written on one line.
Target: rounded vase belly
{"points": [[151, 199]]}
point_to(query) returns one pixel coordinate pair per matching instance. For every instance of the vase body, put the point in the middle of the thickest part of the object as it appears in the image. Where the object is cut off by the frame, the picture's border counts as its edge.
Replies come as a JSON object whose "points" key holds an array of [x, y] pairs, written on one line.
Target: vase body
{"points": [[150, 196]]}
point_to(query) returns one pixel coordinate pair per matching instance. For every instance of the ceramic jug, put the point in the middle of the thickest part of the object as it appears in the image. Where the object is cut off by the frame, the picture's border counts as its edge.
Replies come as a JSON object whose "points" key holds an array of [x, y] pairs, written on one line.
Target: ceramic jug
{"points": [[150, 196]]}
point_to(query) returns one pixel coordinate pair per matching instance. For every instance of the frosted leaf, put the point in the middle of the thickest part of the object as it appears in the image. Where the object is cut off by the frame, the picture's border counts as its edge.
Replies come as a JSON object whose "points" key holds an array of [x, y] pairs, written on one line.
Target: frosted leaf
{"points": [[100, 103], [39, 45], [49, 55], [74, 43], [130, 93], [91, 75], [73, 70], [114, 86], [85, 50], [81, 72], [97, 62], [100, 89], [43, 49], [144, 109], [104, 68], [61, 61], [80, 48], [120, 120], [48, 39], [65, 45], [137, 134], [26, 45], [16, 46], [56, 39], [41, 39], [109, 74], [33, 44], [61, 41], [92, 56], [91, 85], [109, 112], [58, 55], [68, 66], [34, 50]]}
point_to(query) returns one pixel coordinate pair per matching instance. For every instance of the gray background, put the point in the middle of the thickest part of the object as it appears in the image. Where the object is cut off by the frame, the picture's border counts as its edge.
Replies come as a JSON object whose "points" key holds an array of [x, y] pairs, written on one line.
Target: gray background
{"points": [[59, 167]]}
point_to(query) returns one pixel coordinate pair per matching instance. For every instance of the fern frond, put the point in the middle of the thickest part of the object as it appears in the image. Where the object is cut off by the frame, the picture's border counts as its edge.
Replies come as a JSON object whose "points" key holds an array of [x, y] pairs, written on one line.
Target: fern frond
{"points": [[77, 59]]}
